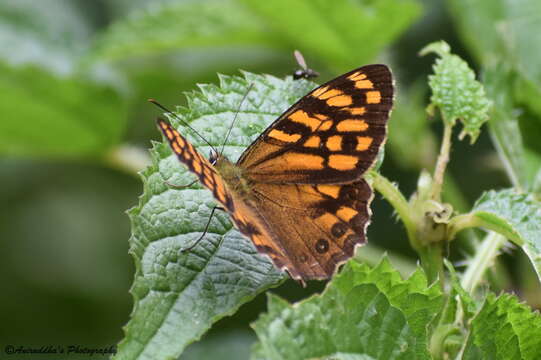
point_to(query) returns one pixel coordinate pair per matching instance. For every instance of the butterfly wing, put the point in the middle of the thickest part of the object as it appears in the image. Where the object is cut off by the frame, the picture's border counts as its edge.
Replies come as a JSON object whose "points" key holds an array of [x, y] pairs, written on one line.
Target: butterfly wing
{"points": [[331, 135], [308, 207], [317, 226], [197, 164], [245, 217]]}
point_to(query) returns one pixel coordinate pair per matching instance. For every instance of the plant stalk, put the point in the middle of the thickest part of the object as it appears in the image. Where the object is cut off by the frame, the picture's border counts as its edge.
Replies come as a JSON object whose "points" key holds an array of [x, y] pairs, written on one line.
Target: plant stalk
{"points": [[391, 193], [432, 262], [441, 164], [484, 257]]}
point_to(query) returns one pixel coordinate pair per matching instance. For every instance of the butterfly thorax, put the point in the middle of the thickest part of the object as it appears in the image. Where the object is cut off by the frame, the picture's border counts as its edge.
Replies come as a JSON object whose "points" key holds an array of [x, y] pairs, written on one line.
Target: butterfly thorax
{"points": [[233, 176]]}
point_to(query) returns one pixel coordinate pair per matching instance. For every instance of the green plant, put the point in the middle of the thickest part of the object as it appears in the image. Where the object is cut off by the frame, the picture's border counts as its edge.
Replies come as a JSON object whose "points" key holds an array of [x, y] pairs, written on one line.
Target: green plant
{"points": [[364, 312], [75, 77]]}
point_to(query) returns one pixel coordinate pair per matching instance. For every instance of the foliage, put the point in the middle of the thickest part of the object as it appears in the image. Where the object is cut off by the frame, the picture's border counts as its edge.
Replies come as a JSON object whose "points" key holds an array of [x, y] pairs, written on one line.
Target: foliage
{"points": [[368, 313], [74, 85], [363, 312]]}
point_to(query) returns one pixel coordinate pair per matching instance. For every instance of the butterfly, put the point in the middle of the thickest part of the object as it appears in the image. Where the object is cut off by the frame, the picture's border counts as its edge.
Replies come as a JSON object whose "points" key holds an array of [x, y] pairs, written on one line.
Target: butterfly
{"points": [[298, 190]]}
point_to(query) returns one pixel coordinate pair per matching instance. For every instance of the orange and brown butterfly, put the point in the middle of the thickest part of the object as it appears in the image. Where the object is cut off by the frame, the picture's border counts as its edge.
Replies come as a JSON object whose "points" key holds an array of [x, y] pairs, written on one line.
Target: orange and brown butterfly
{"points": [[298, 190]]}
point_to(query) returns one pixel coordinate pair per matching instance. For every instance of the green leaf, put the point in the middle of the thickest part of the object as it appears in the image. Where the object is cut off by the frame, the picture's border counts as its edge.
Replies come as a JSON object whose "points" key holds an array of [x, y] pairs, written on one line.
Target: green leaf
{"points": [[230, 345], [481, 26], [469, 306], [346, 356], [319, 28], [49, 34], [514, 215], [46, 115], [506, 31], [178, 296], [504, 124], [456, 92], [363, 312], [504, 329], [504, 34], [329, 30], [157, 29]]}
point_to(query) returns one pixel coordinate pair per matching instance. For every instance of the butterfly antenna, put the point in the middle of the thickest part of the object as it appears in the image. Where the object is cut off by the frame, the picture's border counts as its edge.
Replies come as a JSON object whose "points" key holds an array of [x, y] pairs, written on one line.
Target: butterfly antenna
{"points": [[300, 59], [182, 121], [235, 118]]}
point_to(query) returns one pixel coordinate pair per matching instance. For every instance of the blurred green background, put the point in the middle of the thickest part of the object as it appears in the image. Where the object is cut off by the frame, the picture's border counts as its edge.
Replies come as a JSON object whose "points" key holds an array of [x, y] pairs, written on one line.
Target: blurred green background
{"points": [[75, 125]]}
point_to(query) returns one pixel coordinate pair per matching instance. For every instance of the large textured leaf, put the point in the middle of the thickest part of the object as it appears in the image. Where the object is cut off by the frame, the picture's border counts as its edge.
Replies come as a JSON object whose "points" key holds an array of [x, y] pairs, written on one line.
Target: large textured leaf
{"points": [[178, 296], [48, 107], [456, 92], [515, 215], [327, 30], [226, 345], [48, 115], [47, 34], [505, 39], [504, 124], [363, 313], [181, 25], [502, 30], [346, 34], [504, 329]]}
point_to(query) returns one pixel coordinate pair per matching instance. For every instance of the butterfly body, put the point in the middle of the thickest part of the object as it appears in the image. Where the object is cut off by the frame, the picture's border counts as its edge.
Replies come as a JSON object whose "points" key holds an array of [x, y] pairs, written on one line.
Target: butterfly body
{"points": [[297, 192], [233, 176]]}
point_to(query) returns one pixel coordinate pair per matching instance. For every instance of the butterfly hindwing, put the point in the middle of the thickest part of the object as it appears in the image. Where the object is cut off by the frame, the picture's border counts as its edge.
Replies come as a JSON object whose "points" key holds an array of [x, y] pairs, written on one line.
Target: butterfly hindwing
{"points": [[318, 226], [331, 135]]}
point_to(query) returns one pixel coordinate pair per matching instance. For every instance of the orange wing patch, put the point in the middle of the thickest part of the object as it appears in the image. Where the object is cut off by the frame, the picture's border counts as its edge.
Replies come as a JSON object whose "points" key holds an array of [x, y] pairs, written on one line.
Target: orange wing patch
{"points": [[334, 143], [302, 117], [373, 97], [355, 110], [313, 141], [343, 162], [351, 125], [282, 136], [340, 101]]}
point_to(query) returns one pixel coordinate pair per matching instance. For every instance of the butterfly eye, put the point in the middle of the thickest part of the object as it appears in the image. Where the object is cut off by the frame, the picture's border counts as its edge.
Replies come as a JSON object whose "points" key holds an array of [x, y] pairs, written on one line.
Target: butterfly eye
{"points": [[213, 157]]}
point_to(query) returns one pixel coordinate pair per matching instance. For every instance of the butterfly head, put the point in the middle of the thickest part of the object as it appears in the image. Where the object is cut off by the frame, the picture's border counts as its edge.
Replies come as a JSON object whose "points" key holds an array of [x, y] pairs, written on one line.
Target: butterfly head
{"points": [[213, 157]]}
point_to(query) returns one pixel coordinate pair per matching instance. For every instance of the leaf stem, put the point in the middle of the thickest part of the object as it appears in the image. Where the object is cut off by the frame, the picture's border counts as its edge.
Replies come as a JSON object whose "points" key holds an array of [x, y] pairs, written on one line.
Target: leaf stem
{"points": [[479, 220], [483, 259], [431, 256], [441, 164], [461, 222], [391, 193]]}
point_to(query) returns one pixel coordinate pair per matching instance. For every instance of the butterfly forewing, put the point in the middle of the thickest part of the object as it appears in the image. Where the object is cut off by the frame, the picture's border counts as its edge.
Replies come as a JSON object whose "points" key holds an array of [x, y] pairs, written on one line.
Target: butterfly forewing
{"points": [[196, 163], [332, 135]]}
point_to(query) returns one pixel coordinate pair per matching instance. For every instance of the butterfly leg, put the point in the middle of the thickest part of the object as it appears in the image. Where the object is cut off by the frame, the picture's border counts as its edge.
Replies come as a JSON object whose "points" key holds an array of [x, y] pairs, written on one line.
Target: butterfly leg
{"points": [[189, 248], [180, 187]]}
